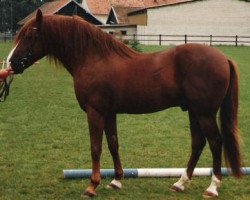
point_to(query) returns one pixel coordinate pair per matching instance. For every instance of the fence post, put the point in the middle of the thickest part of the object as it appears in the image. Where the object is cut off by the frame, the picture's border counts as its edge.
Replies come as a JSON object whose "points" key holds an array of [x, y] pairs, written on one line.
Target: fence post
{"points": [[160, 39], [236, 40], [211, 40], [134, 37], [5, 37], [185, 39]]}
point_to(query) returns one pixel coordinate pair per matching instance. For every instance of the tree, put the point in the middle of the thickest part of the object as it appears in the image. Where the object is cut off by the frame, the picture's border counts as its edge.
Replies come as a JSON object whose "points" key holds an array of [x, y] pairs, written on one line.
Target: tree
{"points": [[12, 11]]}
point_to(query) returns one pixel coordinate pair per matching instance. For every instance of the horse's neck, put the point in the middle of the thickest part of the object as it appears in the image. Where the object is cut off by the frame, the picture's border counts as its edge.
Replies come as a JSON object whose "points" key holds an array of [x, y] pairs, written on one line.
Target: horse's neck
{"points": [[71, 61], [72, 55]]}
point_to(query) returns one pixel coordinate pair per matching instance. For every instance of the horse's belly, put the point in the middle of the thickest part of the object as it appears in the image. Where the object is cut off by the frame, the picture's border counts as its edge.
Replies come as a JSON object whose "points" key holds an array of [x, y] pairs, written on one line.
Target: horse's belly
{"points": [[146, 105]]}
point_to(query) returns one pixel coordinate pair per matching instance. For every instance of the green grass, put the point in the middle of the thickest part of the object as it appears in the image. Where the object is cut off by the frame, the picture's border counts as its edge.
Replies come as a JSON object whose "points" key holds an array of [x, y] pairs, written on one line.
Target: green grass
{"points": [[43, 130]]}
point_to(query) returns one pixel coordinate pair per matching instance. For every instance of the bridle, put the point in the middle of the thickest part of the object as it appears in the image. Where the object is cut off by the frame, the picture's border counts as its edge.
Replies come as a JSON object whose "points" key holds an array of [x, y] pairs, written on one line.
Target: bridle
{"points": [[23, 61], [5, 86]]}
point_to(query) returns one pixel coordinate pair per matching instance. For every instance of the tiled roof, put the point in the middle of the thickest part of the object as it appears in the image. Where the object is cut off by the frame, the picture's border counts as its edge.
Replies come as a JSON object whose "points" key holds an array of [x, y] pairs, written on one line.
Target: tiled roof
{"points": [[49, 8], [102, 7], [153, 3], [57, 6], [122, 13], [170, 2]]}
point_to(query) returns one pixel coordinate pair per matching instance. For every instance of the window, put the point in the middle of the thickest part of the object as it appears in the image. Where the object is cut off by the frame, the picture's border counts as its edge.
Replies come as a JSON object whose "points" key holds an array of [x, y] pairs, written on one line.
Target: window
{"points": [[124, 32]]}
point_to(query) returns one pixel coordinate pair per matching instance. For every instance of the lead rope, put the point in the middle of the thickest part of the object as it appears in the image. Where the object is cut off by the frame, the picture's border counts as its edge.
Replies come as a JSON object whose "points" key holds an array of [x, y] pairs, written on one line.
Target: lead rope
{"points": [[5, 85]]}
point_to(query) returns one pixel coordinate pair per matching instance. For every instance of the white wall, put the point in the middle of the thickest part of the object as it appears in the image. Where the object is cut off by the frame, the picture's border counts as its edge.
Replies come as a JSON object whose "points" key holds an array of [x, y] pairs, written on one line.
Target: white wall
{"points": [[207, 17], [116, 30], [102, 18]]}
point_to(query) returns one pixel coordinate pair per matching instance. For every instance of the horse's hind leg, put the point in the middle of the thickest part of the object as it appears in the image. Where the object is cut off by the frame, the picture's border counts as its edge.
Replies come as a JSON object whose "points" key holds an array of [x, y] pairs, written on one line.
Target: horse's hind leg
{"points": [[112, 139], [203, 127], [210, 129], [198, 143]]}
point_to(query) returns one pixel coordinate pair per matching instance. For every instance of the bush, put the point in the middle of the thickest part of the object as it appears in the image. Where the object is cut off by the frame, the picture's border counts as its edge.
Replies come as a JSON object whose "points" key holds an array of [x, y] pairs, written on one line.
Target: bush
{"points": [[135, 44]]}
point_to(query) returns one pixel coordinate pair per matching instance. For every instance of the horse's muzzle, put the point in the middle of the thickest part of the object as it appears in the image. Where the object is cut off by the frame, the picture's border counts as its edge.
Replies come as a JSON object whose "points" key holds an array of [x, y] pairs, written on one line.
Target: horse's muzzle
{"points": [[16, 67], [19, 66]]}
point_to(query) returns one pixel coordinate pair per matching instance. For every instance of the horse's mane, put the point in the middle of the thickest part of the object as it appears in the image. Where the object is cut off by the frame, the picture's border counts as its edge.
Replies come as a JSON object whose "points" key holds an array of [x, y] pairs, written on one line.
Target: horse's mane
{"points": [[76, 37]]}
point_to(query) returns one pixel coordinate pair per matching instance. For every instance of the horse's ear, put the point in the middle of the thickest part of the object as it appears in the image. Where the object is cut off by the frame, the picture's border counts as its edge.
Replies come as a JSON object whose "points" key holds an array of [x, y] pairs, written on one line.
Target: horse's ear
{"points": [[39, 17]]}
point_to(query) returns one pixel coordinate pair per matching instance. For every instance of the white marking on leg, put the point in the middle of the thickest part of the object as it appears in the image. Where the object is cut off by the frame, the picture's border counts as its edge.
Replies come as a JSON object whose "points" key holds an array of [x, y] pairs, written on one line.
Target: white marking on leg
{"points": [[10, 55], [182, 181], [215, 183], [115, 184]]}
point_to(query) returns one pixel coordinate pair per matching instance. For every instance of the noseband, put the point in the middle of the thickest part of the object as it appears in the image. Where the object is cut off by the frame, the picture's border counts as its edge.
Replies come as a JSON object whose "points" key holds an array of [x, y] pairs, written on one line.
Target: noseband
{"points": [[25, 59]]}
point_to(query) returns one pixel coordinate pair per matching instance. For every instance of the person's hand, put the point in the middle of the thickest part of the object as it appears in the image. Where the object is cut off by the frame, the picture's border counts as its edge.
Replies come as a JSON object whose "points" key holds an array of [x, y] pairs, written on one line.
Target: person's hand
{"points": [[4, 73]]}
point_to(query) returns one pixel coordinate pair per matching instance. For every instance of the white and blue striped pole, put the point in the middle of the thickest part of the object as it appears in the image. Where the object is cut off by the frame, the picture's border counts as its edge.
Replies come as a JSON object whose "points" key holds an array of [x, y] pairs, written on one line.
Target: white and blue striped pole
{"points": [[146, 172]]}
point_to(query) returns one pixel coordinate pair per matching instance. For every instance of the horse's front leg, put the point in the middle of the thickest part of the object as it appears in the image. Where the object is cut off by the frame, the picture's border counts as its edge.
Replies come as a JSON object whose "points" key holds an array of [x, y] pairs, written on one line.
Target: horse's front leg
{"points": [[96, 127], [112, 139]]}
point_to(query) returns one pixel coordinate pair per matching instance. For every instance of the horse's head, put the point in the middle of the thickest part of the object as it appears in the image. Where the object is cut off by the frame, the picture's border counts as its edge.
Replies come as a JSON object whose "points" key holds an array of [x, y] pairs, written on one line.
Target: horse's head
{"points": [[29, 46]]}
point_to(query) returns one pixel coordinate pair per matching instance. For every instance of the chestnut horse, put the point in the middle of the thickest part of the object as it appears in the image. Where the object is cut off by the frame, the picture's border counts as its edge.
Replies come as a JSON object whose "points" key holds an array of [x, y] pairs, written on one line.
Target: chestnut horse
{"points": [[110, 78]]}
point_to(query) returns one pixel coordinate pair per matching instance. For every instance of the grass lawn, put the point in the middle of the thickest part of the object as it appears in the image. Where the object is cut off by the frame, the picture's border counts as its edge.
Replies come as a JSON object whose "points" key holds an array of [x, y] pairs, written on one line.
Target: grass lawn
{"points": [[43, 131]]}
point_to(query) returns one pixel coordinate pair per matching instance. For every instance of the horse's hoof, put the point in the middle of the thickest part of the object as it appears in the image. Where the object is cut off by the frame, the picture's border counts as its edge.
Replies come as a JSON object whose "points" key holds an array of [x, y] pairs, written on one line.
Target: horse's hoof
{"points": [[89, 194], [209, 195], [176, 189], [114, 185]]}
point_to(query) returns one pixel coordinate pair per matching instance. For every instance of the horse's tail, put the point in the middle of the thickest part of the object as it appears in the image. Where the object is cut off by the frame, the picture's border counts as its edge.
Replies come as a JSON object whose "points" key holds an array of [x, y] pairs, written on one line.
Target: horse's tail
{"points": [[229, 123]]}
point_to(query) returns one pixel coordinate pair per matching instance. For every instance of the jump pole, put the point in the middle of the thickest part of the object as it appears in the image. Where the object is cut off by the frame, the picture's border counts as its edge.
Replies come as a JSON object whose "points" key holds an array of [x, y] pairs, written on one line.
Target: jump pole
{"points": [[146, 172]]}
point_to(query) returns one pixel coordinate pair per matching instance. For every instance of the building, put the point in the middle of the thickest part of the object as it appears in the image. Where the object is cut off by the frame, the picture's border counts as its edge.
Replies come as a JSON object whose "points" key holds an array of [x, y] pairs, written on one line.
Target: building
{"points": [[118, 21], [114, 13], [164, 20], [205, 18], [101, 8]]}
